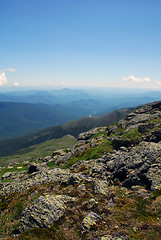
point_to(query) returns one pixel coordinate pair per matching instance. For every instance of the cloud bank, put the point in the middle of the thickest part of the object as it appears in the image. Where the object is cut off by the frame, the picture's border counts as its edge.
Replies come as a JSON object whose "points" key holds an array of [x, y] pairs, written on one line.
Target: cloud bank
{"points": [[11, 70], [137, 80], [16, 84], [142, 81]]}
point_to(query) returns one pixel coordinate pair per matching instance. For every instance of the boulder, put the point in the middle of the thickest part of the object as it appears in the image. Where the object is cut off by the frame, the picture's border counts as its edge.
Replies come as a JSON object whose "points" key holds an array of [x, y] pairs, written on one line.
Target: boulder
{"points": [[62, 158], [133, 120], [157, 134], [44, 211], [154, 176], [13, 175], [156, 104], [90, 133], [32, 168], [8, 175], [118, 142], [138, 166], [143, 128]]}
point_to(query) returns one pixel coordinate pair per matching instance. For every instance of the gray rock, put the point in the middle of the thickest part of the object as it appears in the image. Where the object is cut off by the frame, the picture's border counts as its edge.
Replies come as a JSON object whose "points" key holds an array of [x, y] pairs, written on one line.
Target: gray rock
{"points": [[72, 180], [133, 120], [91, 203], [109, 237], [58, 153], [33, 168], [8, 175], [26, 163], [156, 104], [43, 176], [62, 158], [119, 142], [112, 130], [153, 175], [13, 175], [101, 187], [157, 134], [44, 211], [89, 134], [143, 128], [33, 194], [89, 221], [136, 167], [47, 158]]}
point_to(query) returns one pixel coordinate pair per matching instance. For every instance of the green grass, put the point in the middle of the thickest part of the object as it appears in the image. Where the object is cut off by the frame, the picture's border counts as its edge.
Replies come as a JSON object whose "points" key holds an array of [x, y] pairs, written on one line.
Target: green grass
{"points": [[51, 164], [14, 169], [39, 151], [99, 134], [132, 135], [18, 210], [93, 153]]}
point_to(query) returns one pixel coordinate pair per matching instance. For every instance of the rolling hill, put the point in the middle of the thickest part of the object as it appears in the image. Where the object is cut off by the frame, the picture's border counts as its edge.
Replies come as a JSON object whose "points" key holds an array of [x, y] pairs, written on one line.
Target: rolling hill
{"points": [[25, 111], [11, 146], [19, 119]]}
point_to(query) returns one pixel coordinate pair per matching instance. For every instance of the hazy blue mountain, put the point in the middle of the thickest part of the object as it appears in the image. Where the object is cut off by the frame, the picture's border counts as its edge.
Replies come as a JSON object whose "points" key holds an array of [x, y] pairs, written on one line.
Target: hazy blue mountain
{"points": [[42, 96], [9, 147], [61, 96], [18, 119], [23, 112]]}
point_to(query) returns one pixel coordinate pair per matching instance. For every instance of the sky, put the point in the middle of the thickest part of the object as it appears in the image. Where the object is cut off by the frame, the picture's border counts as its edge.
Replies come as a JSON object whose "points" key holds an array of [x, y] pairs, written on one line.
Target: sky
{"points": [[80, 43]]}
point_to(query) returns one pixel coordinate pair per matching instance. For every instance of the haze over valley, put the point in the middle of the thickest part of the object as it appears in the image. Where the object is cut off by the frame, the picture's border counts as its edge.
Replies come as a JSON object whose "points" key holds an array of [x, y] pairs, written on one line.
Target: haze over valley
{"points": [[80, 120], [23, 112]]}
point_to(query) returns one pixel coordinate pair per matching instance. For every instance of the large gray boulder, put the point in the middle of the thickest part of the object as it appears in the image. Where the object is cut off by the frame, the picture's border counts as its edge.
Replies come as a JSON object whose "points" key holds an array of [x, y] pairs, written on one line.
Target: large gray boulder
{"points": [[44, 211], [138, 166]]}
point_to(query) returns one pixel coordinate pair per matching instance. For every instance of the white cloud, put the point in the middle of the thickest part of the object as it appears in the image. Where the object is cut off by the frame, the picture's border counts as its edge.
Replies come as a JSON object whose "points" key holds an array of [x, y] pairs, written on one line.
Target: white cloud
{"points": [[63, 83], [3, 79], [157, 82], [137, 80], [11, 70], [16, 84]]}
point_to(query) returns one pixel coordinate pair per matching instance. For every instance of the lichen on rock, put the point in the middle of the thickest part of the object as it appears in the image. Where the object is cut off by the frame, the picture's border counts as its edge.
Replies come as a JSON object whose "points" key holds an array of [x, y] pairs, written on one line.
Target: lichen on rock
{"points": [[44, 211], [89, 221]]}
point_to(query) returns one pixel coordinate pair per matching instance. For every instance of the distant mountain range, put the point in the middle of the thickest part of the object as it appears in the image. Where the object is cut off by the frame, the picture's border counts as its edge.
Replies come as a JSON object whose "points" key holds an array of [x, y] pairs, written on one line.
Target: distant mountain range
{"points": [[27, 111], [19, 119]]}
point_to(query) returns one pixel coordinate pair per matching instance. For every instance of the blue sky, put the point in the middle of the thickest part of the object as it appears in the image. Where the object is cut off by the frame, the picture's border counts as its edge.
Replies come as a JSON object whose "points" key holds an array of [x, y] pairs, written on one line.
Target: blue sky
{"points": [[80, 43]]}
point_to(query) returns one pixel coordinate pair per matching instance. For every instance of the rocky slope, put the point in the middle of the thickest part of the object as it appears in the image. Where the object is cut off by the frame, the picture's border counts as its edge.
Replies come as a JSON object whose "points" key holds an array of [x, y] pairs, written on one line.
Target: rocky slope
{"points": [[106, 187]]}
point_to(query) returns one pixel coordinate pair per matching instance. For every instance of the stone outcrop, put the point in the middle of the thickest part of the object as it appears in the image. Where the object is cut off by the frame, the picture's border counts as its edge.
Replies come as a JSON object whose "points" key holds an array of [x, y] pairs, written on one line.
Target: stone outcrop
{"points": [[44, 176], [106, 167], [137, 165]]}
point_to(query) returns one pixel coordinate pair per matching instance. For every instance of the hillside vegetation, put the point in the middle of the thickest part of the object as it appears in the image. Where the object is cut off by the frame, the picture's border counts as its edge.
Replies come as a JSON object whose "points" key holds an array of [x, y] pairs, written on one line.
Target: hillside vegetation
{"points": [[38, 151], [25, 111], [11, 146], [106, 186], [19, 119]]}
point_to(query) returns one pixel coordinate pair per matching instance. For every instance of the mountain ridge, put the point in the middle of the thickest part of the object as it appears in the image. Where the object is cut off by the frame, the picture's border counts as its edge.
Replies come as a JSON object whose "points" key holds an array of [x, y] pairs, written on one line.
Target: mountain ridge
{"points": [[106, 186], [27, 111], [8, 147]]}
